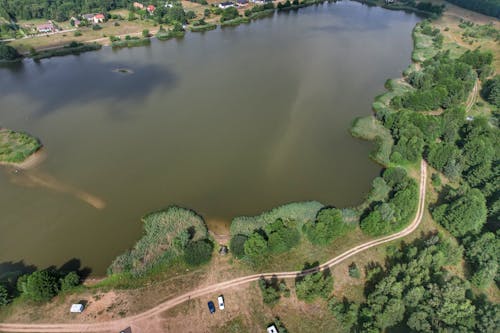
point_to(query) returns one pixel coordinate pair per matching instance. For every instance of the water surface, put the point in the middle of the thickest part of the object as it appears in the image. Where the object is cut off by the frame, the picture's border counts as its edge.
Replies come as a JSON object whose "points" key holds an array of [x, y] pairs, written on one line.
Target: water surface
{"points": [[229, 122]]}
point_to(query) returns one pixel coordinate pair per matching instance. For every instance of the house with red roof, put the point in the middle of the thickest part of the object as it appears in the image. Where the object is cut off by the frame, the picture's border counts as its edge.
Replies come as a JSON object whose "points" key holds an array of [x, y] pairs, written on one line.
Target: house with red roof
{"points": [[151, 9], [98, 18]]}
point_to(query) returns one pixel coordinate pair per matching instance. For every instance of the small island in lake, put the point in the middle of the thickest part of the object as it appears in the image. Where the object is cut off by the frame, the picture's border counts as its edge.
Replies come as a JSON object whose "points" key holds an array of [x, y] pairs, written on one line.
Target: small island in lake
{"points": [[16, 147]]}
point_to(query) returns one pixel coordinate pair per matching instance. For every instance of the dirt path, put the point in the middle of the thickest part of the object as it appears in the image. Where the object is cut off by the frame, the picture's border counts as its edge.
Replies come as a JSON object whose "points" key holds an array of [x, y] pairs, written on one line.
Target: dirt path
{"points": [[472, 97], [134, 321]]}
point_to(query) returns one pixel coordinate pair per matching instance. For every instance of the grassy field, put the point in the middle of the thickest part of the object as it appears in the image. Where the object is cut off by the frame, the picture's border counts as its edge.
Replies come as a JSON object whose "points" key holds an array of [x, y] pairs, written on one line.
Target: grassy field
{"points": [[15, 147]]}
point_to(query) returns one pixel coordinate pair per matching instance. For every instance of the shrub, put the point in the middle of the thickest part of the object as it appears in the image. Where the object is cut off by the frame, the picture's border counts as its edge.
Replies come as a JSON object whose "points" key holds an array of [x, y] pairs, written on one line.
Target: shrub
{"points": [[197, 253], [328, 226], [39, 286], [315, 285], [270, 295], [77, 33], [70, 281], [237, 245], [354, 271], [4, 296]]}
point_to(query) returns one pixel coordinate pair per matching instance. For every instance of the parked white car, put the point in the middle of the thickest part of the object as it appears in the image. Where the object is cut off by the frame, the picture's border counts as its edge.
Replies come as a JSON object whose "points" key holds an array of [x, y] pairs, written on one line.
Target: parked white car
{"points": [[220, 300]]}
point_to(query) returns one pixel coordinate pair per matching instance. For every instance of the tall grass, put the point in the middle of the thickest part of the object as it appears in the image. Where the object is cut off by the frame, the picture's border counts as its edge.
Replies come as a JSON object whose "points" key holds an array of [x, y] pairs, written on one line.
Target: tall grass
{"points": [[73, 48], [369, 128], [300, 212], [157, 244], [15, 147]]}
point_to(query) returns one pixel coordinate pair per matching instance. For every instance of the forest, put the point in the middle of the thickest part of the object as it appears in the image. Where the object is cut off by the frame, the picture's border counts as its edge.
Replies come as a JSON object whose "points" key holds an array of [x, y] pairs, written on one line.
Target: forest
{"points": [[487, 7], [59, 10]]}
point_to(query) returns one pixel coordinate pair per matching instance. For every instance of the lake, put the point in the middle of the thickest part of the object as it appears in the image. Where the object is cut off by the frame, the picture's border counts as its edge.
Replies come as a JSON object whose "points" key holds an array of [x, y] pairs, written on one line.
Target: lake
{"points": [[230, 122]]}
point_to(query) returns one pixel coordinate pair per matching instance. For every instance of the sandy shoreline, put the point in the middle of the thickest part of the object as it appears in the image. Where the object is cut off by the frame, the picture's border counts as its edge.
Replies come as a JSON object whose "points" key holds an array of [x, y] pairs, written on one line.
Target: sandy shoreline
{"points": [[30, 162]]}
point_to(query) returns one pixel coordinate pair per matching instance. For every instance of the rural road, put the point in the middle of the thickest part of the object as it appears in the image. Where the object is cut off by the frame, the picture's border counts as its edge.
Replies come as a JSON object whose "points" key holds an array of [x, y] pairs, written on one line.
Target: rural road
{"points": [[119, 324]]}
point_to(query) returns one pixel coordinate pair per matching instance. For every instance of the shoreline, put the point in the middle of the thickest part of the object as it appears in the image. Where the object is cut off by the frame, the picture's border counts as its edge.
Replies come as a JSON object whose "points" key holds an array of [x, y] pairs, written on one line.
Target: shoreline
{"points": [[242, 19], [30, 162]]}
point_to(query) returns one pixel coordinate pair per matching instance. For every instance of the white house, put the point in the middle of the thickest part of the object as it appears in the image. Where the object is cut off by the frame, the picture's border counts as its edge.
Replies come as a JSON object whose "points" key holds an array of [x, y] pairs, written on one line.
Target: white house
{"points": [[272, 329], [227, 4], [76, 308]]}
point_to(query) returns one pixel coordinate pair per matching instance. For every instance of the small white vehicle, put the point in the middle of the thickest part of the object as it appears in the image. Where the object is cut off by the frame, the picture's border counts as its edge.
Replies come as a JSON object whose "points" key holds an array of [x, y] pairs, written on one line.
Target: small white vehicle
{"points": [[220, 300]]}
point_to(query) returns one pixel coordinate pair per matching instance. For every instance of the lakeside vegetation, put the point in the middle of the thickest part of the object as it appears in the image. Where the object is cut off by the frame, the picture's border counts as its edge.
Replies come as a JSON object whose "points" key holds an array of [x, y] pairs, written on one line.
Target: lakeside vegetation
{"points": [[418, 288], [169, 235], [73, 48], [15, 147]]}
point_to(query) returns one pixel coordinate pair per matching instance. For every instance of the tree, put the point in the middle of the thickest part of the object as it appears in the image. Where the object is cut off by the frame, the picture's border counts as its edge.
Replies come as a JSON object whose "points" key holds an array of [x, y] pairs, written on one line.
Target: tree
{"points": [[237, 245], [491, 91], [198, 252], [70, 281], [270, 294], [39, 286], [8, 53], [229, 14], [464, 214], [281, 235], [314, 285], [4, 296], [255, 246], [145, 33], [328, 226], [345, 312], [483, 256]]}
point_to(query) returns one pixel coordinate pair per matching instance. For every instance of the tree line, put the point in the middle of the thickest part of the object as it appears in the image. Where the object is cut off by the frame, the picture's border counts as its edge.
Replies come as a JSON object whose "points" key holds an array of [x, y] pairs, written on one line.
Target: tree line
{"points": [[59, 10], [487, 7]]}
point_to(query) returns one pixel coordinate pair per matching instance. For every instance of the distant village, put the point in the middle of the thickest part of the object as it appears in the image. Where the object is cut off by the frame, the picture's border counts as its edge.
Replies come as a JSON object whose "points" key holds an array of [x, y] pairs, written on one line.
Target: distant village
{"points": [[96, 18]]}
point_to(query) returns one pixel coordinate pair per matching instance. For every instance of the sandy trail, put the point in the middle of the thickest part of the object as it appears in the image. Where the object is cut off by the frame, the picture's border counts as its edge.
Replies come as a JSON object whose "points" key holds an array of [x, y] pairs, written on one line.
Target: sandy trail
{"points": [[136, 320]]}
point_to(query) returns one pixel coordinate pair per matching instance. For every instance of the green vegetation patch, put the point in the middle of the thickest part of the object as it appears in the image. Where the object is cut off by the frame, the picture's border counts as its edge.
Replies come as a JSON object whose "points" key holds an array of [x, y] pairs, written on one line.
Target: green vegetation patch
{"points": [[168, 235], [300, 212], [72, 48], [369, 128], [130, 42], [15, 147]]}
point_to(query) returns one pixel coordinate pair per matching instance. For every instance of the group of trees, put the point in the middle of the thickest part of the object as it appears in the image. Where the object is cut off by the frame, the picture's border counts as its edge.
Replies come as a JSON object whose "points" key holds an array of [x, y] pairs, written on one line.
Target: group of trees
{"points": [[312, 286], [491, 91], [59, 10], [272, 290], [487, 7], [40, 286], [329, 225], [397, 203], [443, 83], [8, 53], [276, 237], [415, 293]]}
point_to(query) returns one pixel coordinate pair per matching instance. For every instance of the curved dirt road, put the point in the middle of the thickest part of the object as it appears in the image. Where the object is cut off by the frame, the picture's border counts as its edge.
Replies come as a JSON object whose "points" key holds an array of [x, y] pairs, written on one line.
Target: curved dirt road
{"points": [[116, 325]]}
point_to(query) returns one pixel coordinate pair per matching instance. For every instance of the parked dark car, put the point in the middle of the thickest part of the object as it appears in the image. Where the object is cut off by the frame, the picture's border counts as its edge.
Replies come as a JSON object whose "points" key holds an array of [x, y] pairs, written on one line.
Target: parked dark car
{"points": [[211, 307]]}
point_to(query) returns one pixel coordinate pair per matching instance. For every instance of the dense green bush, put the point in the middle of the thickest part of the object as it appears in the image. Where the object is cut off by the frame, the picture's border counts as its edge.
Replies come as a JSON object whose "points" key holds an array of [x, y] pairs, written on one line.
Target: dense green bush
{"points": [[237, 245], [483, 255], [394, 213], [270, 291], [69, 281], [314, 285], [463, 214], [199, 252], [491, 91], [39, 286], [8, 53], [328, 226], [4, 296]]}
